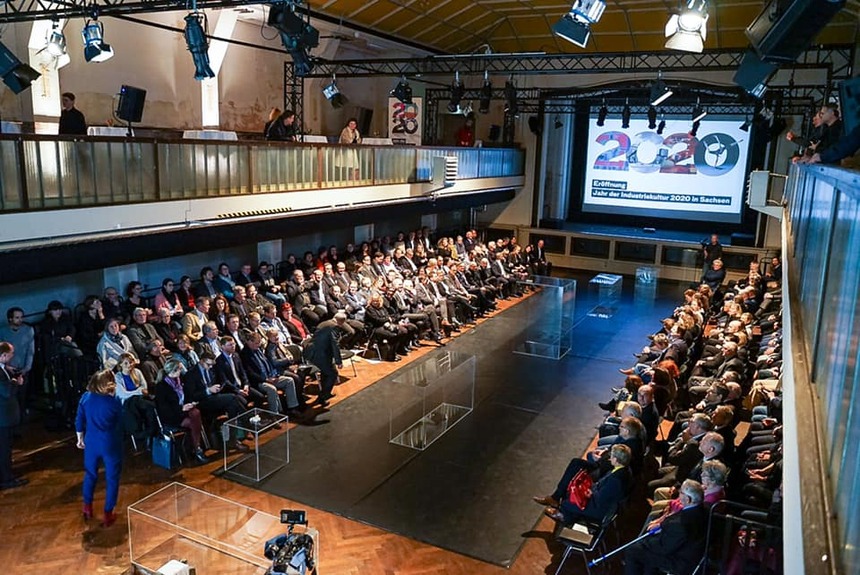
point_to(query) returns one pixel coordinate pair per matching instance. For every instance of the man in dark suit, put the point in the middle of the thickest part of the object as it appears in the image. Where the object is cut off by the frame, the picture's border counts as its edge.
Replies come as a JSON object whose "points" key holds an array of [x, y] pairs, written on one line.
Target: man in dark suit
{"points": [[263, 375], [679, 541], [201, 386], [683, 454], [323, 352], [230, 373], [10, 416]]}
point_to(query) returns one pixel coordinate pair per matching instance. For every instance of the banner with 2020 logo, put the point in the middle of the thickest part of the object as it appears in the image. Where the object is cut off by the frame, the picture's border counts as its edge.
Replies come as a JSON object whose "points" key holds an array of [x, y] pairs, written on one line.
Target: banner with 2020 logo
{"points": [[404, 121]]}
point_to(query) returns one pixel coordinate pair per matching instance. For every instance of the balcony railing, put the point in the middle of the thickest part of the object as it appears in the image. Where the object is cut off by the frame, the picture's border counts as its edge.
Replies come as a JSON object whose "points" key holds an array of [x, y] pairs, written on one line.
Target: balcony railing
{"points": [[43, 173]]}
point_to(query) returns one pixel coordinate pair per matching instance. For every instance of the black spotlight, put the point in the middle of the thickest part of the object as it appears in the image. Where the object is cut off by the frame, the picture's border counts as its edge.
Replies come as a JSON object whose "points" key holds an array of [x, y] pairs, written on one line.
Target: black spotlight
{"points": [[511, 106], [331, 92], [198, 44], [652, 117], [661, 126], [17, 75], [458, 90], [745, 127], [625, 116], [695, 129], [403, 91], [558, 125], [601, 115], [486, 95], [297, 35]]}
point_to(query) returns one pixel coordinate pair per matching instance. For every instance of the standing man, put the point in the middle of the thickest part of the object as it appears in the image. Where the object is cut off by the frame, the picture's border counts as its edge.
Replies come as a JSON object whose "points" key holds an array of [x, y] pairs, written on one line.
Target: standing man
{"points": [[10, 416], [22, 338], [72, 121], [711, 251]]}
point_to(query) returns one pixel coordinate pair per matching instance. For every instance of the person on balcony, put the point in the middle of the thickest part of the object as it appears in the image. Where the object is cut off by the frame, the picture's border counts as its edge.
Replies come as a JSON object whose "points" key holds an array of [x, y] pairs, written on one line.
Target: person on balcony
{"points": [[72, 120], [283, 129]]}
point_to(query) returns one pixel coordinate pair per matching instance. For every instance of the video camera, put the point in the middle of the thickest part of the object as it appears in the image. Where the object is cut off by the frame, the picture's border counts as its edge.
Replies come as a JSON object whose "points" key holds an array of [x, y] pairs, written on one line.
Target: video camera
{"points": [[292, 552]]}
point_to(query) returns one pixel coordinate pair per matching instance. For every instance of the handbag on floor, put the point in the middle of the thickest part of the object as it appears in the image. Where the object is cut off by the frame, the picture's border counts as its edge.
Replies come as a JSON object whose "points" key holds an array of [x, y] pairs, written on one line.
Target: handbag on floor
{"points": [[163, 452]]}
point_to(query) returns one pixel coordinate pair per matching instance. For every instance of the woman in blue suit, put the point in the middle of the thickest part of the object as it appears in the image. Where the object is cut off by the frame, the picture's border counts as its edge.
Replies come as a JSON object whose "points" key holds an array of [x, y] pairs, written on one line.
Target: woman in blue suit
{"points": [[99, 422]]}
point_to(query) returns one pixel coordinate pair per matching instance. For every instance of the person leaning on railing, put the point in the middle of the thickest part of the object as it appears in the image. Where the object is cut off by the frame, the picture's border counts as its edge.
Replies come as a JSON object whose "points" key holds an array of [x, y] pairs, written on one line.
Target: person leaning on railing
{"points": [[845, 147]]}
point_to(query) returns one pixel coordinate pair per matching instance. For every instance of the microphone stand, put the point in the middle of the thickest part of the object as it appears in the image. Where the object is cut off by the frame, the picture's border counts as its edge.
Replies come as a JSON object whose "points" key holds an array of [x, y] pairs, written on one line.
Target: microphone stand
{"points": [[642, 537]]}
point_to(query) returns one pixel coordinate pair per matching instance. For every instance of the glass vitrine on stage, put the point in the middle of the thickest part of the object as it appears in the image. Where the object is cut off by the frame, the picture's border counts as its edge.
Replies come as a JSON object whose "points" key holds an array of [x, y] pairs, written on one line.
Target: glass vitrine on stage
{"points": [[430, 397], [645, 289], [211, 534], [265, 458], [549, 325], [605, 290]]}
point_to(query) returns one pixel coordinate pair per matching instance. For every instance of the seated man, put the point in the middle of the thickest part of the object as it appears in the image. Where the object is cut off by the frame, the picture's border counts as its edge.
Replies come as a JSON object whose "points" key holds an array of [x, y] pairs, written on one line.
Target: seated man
{"points": [[200, 385], [606, 493], [140, 333], [263, 375], [678, 545]]}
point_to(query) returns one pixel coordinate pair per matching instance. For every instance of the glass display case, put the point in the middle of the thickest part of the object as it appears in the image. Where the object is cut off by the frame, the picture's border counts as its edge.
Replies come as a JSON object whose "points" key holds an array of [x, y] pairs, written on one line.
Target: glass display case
{"points": [[430, 397], [550, 316], [645, 288], [264, 458], [605, 292], [212, 535]]}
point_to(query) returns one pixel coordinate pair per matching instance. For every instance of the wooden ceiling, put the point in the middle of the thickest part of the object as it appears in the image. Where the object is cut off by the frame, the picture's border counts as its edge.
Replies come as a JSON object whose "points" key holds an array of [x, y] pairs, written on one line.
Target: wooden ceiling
{"points": [[465, 26]]}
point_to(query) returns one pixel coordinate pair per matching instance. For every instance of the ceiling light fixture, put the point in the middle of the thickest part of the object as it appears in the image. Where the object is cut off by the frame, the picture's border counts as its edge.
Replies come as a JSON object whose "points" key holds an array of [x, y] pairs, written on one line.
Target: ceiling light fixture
{"points": [[198, 44], [625, 115], [17, 75], [486, 94], [695, 129], [575, 26], [661, 126], [698, 112], [660, 92], [297, 35], [334, 95], [511, 106], [458, 90], [56, 44], [95, 48], [652, 117], [745, 127], [601, 114], [403, 91], [687, 30], [558, 124]]}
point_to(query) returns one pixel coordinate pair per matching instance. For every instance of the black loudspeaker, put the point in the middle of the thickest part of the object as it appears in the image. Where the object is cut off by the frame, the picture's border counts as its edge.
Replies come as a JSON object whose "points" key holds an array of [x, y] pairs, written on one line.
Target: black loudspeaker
{"points": [[534, 125], [364, 117], [785, 28], [130, 107], [849, 103]]}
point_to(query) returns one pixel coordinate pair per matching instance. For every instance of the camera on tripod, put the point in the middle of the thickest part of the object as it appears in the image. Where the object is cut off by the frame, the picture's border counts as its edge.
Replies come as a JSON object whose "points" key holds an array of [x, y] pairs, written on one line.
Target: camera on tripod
{"points": [[291, 553]]}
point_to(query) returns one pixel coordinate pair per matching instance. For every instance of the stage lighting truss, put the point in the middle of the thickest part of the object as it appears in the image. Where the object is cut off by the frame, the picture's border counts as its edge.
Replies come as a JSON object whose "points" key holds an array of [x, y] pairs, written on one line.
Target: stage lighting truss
{"points": [[575, 26], [403, 91], [687, 31], [511, 106], [334, 95], [660, 92], [458, 90], [95, 48], [198, 44], [486, 95]]}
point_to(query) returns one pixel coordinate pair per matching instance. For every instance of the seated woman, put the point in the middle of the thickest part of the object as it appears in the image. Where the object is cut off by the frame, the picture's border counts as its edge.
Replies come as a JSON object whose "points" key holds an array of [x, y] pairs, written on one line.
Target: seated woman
{"points": [[185, 294], [172, 408], [113, 344], [219, 311], [714, 475], [606, 493], [185, 352], [137, 407], [169, 299], [632, 383], [133, 300]]}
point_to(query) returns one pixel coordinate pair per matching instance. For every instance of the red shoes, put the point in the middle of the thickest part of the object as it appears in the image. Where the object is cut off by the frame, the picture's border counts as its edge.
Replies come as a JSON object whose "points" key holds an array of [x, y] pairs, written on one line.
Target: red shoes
{"points": [[88, 511], [109, 519]]}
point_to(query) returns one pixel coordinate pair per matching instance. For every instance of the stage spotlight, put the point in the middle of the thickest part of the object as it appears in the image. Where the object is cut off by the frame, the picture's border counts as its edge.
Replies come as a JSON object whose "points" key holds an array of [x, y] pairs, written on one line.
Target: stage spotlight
{"points": [[687, 31], [486, 95], [56, 45], [95, 48], [698, 112], [297, 35], [403, 91], [17, 75], [745, 127], [198, 44], [511, 106], [695, 129], [661, 126], [652, 117], [601, 115], [458, 90], [575, 26], [660, 92], [558, 124], [625, 115], [334, 95]]}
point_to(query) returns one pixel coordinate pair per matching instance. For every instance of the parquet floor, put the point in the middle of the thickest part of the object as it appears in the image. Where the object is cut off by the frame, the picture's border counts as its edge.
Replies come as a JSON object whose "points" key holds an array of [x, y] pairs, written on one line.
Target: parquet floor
{"points": [[43, 531]]}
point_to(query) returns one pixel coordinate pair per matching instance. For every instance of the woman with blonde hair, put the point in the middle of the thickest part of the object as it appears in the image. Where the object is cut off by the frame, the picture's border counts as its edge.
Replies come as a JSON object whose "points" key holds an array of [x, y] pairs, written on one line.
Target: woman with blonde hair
{"points": [[173, 407], [138, 408], [98, 427]]}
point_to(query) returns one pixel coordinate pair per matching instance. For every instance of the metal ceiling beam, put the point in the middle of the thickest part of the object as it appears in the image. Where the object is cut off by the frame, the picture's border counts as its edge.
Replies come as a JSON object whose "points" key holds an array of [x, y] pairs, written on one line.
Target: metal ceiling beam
{"points": [[30, 10], [838, 57]]}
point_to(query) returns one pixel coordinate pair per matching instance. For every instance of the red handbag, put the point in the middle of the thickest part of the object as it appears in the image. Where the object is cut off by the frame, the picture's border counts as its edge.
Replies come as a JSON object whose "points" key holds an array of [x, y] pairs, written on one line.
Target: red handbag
{"points": [[579, 489]]}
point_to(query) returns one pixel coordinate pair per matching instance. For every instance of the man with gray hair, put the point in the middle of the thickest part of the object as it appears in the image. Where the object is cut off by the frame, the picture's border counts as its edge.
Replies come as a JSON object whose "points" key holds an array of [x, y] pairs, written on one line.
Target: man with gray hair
{"points": [[677, 542]]}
